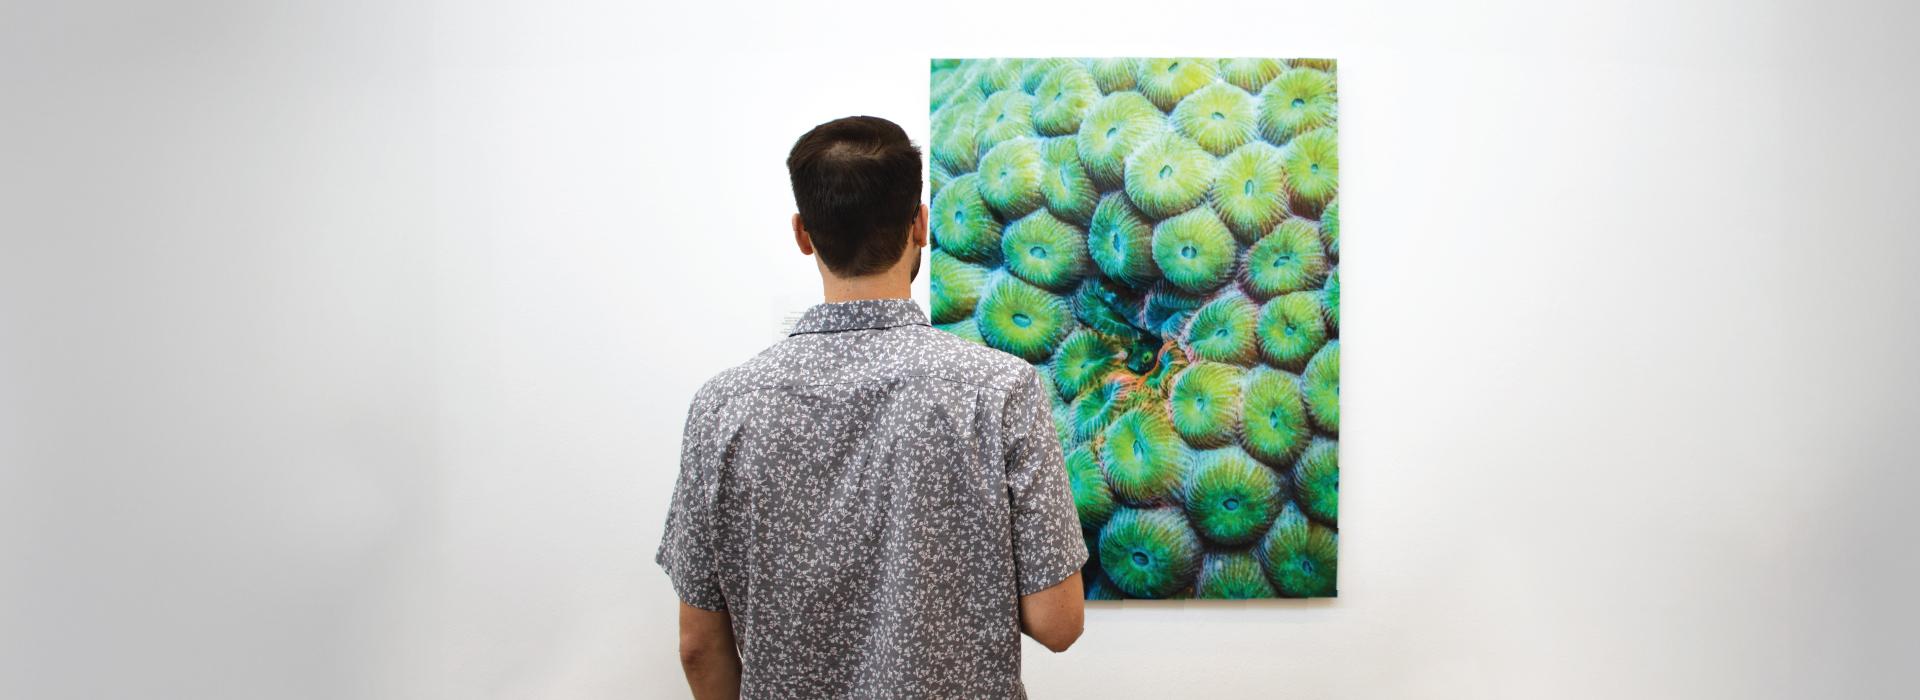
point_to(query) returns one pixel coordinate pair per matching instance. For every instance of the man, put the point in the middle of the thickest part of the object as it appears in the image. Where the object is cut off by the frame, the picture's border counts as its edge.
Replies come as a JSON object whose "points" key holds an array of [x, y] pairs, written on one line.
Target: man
{"points": [[871, 508]]}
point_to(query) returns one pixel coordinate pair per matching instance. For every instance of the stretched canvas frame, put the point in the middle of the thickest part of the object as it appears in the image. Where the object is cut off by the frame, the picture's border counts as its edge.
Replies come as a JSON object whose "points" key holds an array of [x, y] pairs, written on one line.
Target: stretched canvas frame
{"points": [[1160, 237]]}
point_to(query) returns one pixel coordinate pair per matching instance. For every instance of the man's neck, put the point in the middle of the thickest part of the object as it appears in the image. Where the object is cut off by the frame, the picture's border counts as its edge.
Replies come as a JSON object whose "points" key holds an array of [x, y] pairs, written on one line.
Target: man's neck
{"points": [[875, 287]]}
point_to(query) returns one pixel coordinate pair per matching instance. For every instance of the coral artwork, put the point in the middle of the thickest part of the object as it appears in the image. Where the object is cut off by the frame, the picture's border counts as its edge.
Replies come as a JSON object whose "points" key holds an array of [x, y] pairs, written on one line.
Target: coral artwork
{"points": [[1160, 238]]}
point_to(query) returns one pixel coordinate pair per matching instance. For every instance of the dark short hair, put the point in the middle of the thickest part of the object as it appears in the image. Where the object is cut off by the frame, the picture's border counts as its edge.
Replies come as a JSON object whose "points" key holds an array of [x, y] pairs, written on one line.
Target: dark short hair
{"points": [[856, 181]]}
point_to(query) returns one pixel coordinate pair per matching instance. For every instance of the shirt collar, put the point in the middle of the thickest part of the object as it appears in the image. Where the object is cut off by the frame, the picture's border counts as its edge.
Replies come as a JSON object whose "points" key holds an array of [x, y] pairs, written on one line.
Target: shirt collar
{"points": [[860, 314]]}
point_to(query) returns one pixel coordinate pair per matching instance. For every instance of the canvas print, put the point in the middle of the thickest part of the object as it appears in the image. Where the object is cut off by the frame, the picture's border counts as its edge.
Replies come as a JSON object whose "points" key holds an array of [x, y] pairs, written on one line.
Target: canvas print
{"points": [[1160, 237]]}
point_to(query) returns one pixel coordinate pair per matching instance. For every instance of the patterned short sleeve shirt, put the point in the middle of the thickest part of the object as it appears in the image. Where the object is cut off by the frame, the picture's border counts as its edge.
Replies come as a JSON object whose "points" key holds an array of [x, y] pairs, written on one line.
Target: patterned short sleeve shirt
{"points": [[868, 499]]}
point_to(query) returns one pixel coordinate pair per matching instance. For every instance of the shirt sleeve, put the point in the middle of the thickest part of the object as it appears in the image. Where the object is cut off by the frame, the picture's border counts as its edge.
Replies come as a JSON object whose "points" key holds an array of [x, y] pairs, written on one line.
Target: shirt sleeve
{"points": [[1047, 545], [686, 548]]}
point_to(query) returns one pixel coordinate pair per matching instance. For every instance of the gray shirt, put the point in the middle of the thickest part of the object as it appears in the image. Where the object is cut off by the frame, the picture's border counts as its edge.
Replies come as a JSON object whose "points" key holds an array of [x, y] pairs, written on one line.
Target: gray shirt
{"points": [[868, 499]]}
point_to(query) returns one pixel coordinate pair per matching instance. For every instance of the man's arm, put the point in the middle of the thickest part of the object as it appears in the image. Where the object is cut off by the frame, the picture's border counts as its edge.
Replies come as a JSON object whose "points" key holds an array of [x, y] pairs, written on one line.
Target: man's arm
{"points": [[707, 653], [1055, 617], [1048, 549]]}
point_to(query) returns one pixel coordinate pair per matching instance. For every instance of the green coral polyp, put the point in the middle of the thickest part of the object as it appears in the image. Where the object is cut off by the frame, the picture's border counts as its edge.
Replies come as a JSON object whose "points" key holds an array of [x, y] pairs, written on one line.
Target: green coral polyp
{"points": [[1142, 454], [1313, 171], [1046, 384], [1010, 177], [1063, 99], [1168, 175], [1045, 251], [1273, 417], [961, 223], [1232, 576], [1095, 409], [937, 178], [1083, 362], [1121, 242], [1231, 499], [1067, 189], [1298, 101], [1225, 331], [1114, 74], [1062, 422], [1249, 191], [997, 74], [1023, 320], [1321, 383], [1007, 115], [1194, 251], [1292, 327], [1317, 481], [1033, 72], [1289, 259], [1166, 80], [1250, 74], [954, 132], [1218, 117], [1092, 498], [955, 287], [1149, 553], [1301, 557], [1206, 404], [948, 82]]}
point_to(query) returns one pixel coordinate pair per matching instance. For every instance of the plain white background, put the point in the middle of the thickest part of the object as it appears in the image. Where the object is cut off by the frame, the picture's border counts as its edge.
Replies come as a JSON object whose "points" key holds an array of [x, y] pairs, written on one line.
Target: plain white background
{"points": [[346, 345]]}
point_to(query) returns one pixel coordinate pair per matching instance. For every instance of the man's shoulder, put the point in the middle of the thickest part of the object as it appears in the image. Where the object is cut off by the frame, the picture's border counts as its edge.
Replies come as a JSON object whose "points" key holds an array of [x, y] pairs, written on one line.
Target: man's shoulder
{"points": [[731, 381], [954, 358]]}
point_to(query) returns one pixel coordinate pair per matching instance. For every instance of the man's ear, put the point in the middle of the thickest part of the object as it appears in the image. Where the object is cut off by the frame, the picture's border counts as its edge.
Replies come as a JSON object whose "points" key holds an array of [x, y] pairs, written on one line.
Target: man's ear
{"points": [[919, 234], [800, 237]]}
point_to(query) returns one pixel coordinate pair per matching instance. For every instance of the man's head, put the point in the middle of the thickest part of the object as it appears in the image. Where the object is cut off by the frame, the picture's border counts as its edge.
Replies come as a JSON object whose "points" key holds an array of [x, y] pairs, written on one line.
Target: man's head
{"points": [[856, 182]]}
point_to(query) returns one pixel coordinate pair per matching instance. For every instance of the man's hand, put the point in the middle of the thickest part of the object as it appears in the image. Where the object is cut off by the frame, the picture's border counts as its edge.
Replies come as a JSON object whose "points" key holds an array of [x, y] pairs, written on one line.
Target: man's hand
{"points": [[707, 653]]}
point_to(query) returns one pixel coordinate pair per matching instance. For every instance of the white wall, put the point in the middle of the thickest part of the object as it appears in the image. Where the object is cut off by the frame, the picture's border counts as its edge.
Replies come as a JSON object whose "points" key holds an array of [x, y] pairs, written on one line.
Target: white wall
{"points": [[346, 344]]}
